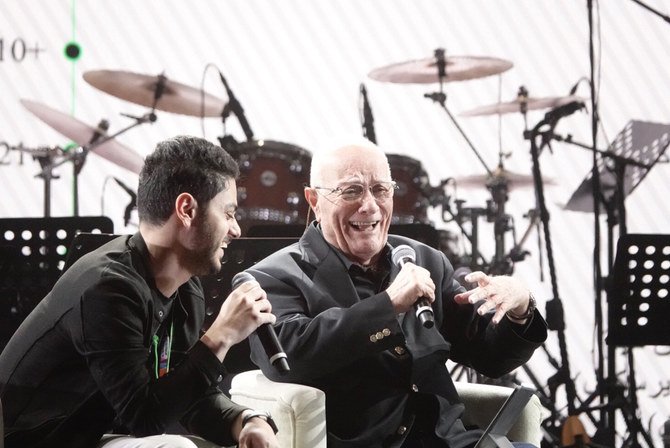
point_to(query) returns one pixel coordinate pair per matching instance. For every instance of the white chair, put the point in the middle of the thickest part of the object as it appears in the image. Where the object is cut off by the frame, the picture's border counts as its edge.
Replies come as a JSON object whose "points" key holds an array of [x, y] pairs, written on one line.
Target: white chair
{"points": [[300, 413]]}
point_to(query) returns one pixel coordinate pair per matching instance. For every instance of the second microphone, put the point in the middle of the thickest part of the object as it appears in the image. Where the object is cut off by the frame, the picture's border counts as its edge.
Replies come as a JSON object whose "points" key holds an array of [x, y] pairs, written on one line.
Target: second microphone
{"points": [[266, 332], [424, 312]]}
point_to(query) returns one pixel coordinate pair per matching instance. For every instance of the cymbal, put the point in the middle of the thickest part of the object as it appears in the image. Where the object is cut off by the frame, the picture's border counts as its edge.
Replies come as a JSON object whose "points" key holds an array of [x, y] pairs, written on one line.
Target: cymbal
{"points": [[424, 71], [82, 134], [515, 105], [140, 89], [514, 180]]}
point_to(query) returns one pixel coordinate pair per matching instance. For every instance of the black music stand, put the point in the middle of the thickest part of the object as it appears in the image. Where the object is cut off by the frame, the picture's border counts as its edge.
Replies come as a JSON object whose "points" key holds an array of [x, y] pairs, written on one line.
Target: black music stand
{"points": [[640, 144], [639, 295], [629, 159], [33, 252]]}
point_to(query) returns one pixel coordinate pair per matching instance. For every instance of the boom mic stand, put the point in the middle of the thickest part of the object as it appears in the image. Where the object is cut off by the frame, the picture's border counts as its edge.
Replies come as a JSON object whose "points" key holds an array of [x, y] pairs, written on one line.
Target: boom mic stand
{"points": [[554, 308]]}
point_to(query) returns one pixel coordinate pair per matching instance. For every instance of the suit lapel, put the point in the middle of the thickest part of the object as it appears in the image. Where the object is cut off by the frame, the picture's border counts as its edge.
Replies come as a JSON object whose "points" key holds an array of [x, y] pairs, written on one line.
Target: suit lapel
{"points": [[330, 278]]}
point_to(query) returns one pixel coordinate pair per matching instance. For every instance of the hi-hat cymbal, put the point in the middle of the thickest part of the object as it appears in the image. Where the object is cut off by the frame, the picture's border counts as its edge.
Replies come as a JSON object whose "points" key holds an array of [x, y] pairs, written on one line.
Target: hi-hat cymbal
{"points": [[517, 105], [141, 89], [424, 71], [499, 175], [81, 133]]}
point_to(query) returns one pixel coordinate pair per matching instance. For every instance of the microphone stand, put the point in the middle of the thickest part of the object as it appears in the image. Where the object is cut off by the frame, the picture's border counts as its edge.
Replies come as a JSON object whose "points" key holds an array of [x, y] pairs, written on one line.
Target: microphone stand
{"points": [[652, 10], [554, 310]]}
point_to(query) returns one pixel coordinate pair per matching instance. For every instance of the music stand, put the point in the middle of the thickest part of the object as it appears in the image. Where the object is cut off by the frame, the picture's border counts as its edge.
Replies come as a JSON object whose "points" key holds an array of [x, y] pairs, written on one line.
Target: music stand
{"points": [[640, 144], [33, 252], [638, 298], [620, 169]]}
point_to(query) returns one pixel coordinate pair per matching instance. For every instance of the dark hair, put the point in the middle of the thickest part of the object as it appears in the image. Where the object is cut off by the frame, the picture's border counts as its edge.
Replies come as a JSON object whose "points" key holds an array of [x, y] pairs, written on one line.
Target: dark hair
{"points": [[183, 164]]}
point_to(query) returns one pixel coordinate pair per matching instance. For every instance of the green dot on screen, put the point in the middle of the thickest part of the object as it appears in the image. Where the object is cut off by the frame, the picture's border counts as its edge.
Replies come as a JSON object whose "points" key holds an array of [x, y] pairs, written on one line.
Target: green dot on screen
{"points": [[72, 51]]}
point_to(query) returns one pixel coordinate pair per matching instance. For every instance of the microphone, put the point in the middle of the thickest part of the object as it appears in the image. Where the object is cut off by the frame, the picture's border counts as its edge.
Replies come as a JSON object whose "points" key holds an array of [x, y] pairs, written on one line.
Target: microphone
{"points": [[99, 132], [266, 332], [133, 201], [368, 120], [235, 107], [559, 112], [404, 254]]}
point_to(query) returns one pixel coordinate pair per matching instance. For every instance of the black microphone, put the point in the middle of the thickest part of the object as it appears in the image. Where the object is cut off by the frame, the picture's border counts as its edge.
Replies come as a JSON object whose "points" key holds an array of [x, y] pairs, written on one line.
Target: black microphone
{"points": [[368, 119], [99, 132], [235, 107], [131, 205], [424, 312], [559, 112], [266, 332]]}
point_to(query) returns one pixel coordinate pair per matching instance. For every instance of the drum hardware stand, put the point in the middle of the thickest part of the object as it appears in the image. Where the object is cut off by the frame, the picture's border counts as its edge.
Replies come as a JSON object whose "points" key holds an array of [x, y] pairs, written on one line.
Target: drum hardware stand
{"points": [[78, 155], [441, 98]]}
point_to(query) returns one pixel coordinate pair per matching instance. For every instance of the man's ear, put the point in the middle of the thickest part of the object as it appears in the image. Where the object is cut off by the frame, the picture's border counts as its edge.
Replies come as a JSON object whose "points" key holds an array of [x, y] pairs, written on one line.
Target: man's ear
{"points": [[186, 208], [312, 198]]}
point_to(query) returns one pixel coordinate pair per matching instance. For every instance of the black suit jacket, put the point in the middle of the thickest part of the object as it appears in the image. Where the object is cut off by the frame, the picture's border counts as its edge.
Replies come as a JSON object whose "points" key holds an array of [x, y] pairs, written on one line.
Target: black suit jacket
{"points": [[378, 370]]}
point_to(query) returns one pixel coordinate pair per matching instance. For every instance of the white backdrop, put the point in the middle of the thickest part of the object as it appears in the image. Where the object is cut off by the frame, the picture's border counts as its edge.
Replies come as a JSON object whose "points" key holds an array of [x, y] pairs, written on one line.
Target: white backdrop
{"points": [[296, 67]]}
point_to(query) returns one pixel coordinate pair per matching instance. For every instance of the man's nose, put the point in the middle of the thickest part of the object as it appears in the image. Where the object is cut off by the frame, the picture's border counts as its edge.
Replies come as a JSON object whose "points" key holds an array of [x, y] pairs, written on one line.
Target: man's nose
{"points": [[368, 202]]}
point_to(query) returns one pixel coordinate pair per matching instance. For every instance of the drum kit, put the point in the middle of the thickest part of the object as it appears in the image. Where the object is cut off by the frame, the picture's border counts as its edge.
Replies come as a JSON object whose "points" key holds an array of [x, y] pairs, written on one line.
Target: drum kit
{"points": [[273, 174]]}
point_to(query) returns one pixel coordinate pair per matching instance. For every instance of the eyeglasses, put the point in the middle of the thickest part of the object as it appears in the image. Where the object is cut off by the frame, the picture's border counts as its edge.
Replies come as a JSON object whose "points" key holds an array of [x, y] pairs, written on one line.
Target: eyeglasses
{"points": [[353, 192]]}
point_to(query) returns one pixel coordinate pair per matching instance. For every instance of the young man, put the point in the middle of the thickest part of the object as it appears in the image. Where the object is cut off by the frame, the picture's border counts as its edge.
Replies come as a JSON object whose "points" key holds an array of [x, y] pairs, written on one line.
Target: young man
{"points": [[117, 343], [346, 317]]}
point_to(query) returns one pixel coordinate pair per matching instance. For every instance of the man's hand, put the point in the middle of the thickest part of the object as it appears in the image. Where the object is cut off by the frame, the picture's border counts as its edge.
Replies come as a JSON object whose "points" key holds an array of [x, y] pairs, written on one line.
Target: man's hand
{"points": [[500, 293], [411, 283], [257, 434], [244, 310]]}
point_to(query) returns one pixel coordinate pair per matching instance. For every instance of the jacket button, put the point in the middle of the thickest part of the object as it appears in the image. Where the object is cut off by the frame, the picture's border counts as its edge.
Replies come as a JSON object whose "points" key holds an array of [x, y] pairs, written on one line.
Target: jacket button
{"points": [[160, 315], [379, 336], [386, 332], [373, 338], [415, 388], [402, 430], [219, 378], [399, 350]]}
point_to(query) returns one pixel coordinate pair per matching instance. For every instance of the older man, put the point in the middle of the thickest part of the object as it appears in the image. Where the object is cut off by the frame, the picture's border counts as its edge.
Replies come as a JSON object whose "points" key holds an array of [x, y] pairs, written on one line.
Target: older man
{"points": [[345, 315]]}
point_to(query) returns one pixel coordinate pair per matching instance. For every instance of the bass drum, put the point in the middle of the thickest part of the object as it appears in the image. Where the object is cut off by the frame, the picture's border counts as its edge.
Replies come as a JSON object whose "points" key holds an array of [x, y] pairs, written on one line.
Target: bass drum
{"points": [[410, 200], [271, 184]]}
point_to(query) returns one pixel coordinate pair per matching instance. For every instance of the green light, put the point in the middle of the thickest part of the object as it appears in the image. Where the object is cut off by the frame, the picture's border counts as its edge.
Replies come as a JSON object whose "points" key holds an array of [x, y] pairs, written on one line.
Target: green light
{"points": [[72, 51]]}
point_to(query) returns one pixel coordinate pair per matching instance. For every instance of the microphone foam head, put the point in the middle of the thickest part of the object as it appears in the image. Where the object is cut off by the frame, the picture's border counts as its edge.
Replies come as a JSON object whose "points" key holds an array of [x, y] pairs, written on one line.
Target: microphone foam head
{"points": [[241, 277], [403, 253]]}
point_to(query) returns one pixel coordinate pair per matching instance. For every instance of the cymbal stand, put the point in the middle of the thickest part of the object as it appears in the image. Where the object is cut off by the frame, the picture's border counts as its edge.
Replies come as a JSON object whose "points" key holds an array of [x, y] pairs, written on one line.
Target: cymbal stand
{"points": [[441, 98], [78, 154]]}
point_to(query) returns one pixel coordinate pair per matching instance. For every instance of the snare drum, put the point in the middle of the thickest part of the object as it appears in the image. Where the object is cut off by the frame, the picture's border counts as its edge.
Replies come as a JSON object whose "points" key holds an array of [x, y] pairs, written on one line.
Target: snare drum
{"points": [[410, 200], [271, 184]]}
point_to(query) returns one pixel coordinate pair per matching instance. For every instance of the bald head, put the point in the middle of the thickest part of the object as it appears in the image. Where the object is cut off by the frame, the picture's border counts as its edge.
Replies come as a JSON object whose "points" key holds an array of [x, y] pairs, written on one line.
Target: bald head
{"points": [[352, 157]]}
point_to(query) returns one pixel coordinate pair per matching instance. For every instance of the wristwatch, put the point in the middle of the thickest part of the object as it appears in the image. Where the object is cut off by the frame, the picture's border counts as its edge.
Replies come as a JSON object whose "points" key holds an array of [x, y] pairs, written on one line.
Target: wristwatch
{"points": [[532, 304], [264, 415]]}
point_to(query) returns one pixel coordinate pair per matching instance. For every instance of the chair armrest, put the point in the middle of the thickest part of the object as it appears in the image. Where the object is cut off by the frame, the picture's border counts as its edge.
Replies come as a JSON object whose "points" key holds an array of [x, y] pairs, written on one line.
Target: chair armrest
{"points": [[299, 411], [482, 402]]}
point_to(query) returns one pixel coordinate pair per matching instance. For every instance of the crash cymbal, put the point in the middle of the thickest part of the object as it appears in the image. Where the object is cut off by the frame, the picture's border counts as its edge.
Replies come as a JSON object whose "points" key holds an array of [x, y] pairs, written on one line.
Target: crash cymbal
{"points": [[140, 89], [516, 105], [514, 180], [82, 134], [424, 71]]}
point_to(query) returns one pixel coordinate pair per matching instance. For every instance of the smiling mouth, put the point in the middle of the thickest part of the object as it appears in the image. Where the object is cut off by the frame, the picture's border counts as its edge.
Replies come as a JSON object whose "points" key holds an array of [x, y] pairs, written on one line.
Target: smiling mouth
{"points": [[364, 226]]}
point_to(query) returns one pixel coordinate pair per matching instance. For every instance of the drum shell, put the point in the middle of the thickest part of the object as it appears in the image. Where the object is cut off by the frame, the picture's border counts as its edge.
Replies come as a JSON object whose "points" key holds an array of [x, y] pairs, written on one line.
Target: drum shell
{"points": [[410, 200], [270, 189]]}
